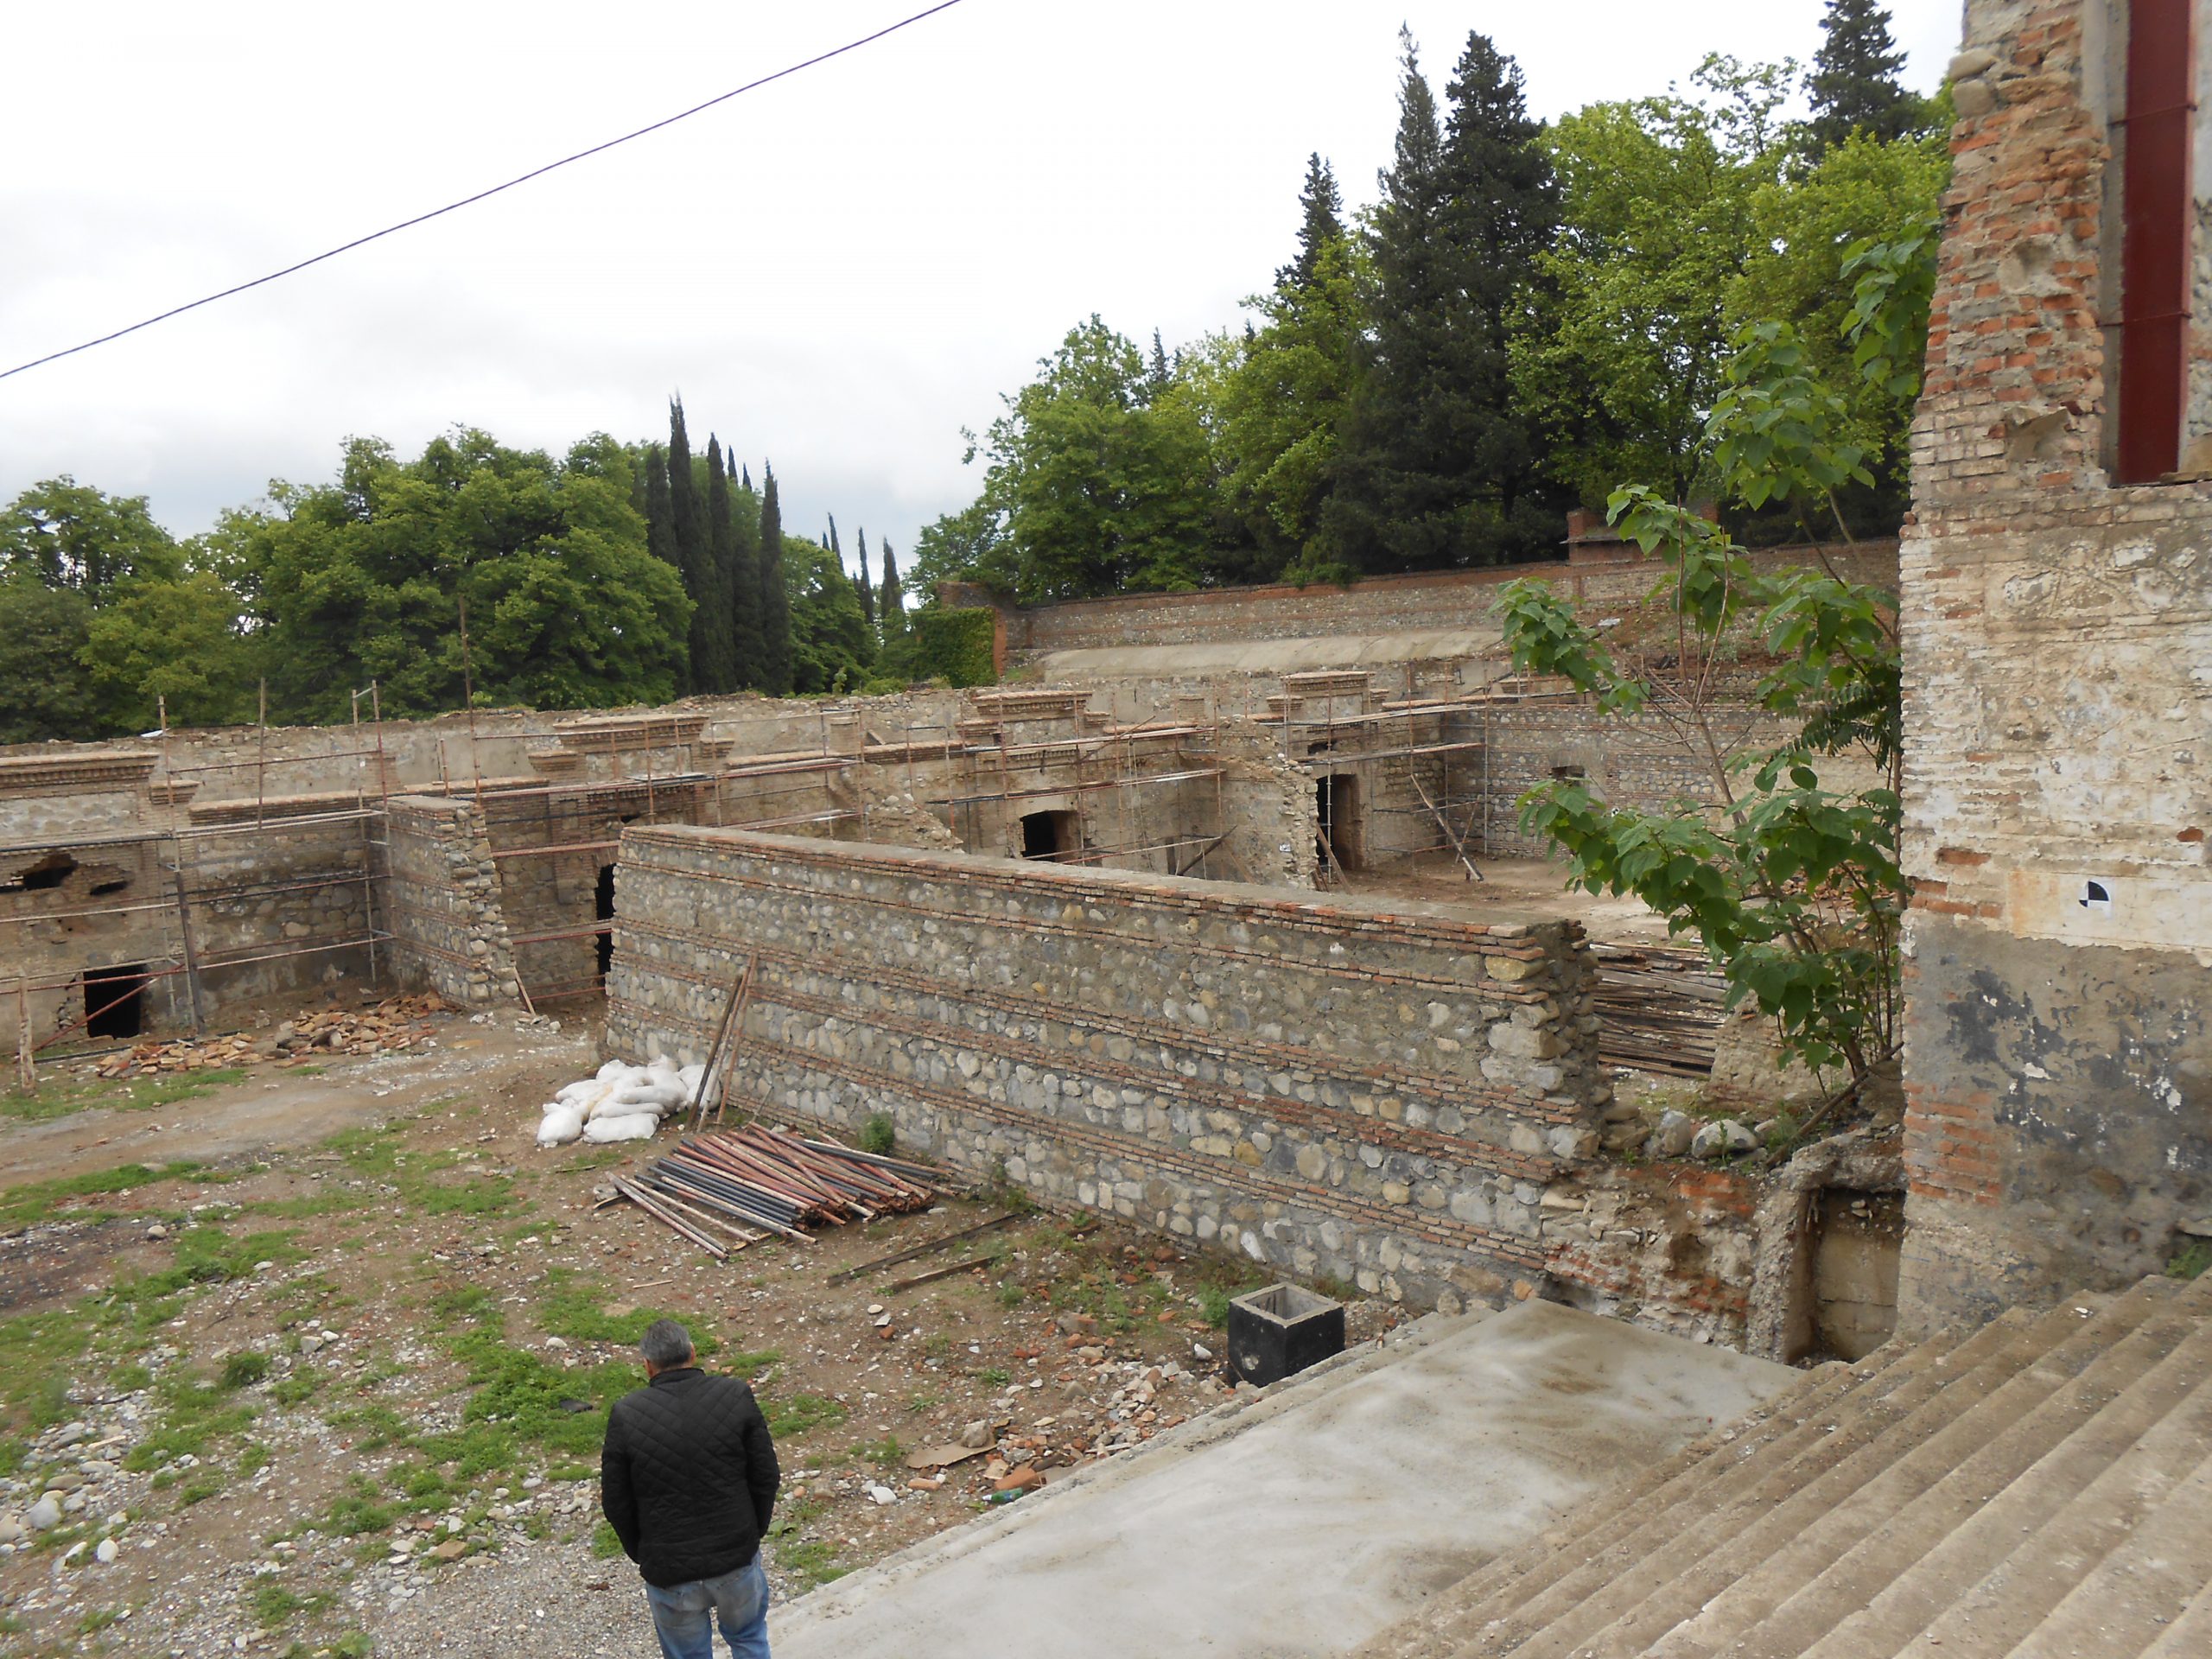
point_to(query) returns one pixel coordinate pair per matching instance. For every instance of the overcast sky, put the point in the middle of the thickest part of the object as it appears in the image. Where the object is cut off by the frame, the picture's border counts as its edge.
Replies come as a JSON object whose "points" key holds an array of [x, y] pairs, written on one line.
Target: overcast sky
{"points": [[838, 271]]}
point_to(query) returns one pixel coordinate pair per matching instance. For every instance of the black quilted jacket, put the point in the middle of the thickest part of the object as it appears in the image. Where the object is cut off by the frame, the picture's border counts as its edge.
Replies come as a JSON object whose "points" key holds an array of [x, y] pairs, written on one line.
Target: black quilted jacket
{"points": [[688, 1475]]}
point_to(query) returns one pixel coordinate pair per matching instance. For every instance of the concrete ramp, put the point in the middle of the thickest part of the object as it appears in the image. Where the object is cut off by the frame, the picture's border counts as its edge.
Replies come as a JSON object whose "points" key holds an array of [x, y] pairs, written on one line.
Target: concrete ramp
{"points": [[1309, 1522]]}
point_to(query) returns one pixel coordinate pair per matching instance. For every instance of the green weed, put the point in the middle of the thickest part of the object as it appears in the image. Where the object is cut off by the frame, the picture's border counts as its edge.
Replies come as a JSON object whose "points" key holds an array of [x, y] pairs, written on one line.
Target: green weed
{"points": [[802, 1413], [245, 1369], [37, 1201]]}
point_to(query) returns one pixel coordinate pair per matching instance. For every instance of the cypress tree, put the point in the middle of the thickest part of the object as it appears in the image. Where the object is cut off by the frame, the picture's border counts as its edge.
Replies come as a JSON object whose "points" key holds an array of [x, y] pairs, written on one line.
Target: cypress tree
{"points": [[745, 590], [1323, 223], [661, 530], [867, 588], [890, 601], [721, 674], [747, 486], [1436, 462], [775, 599], [1854, 86], [687, 536]]}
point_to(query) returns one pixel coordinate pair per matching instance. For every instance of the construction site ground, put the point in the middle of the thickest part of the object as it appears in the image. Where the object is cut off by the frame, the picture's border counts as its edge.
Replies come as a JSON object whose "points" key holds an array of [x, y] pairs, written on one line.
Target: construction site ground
{"points": [[317, 1359]]}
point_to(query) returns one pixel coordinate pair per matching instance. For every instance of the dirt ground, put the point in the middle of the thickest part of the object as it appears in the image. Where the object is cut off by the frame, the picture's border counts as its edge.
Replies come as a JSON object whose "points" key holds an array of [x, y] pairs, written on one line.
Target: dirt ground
{"points": [[318, 1365]]}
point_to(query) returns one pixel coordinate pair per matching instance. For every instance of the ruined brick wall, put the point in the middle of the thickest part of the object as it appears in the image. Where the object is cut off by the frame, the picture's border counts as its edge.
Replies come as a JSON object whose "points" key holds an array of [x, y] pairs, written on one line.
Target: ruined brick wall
{"points": [[1389, 1095], [443, 895], [2058, 708], [1428, 600]]}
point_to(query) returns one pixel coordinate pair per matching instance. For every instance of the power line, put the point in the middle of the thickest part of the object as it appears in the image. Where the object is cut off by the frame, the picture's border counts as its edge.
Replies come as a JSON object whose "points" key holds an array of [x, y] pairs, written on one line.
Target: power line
{"points": [[452, 206]]}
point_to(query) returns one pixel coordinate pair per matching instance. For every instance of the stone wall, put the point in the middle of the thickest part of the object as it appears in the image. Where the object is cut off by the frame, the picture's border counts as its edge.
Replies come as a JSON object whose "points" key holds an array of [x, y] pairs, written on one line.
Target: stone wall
{"points": [[1391, 1095], [2058, 712], [449, 934]]}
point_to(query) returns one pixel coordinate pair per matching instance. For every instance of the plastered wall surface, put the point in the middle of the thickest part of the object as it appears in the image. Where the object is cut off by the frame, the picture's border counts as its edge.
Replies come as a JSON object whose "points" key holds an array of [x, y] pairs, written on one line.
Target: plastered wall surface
{"points": [[2058, 706]]}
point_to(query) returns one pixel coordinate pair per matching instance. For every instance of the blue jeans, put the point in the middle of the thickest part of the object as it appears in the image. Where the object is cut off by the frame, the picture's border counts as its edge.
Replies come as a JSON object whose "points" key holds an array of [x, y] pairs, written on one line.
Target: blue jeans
{"points": [[684, 1615]]}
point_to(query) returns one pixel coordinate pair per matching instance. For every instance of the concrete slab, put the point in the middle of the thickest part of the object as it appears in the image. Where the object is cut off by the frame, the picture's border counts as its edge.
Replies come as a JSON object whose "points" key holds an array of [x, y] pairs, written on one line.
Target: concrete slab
{"points": [[1308, 1523]]}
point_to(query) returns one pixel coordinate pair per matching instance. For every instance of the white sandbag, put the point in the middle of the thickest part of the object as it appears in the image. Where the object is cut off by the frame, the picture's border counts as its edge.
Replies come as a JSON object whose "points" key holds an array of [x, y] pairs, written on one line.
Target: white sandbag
{"points": [[613, 1070], [658, 1096], [630, 1125], [693, 1076], [575, 1093], [560, 1125], [661, 1065]]}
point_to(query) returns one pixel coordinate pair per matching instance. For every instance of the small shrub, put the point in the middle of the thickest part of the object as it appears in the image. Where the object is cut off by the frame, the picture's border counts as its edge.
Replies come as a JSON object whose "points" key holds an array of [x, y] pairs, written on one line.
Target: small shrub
{"points": [[2192, 1262], [879, 1134], [1213, 1306], [245, 1369]]}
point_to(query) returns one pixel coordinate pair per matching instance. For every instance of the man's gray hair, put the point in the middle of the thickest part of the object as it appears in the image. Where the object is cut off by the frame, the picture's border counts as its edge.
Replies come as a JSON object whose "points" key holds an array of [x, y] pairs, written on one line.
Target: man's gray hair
{"points": [[666, 1344]]}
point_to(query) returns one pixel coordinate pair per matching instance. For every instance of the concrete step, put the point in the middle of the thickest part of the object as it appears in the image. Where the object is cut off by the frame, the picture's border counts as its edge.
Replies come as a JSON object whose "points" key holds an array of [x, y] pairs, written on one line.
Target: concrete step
{"points": [[1575, 1566], [2041, 1488], [1932, 1500], [1625, 1508], [2188, 1637], [1682, 1557], [2129, 1604]]}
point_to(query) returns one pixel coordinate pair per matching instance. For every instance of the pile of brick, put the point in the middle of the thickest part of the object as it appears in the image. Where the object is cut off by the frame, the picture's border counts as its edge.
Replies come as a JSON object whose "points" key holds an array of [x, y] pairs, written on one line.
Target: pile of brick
{"points": [[394, 1025]]}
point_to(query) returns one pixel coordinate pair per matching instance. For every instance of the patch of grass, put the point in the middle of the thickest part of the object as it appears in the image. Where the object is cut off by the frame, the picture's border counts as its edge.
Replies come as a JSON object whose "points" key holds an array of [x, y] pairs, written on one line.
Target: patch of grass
{"points": [[604, 1542], [1213, 1306], [272, 1603], [575, 1309], [354, 1645], [244, 1369], [1011, 1294], [203, 1256], [473, 1303], [879, 1134], [813, 1562], [802, 1413], [202, 1486], [299, 1387], [520, 1394], [377, 1425], [195, 1414], [359, 1511], [924, 1400], [37, 1201], [995, 1376], [883, 1454], [61, 1098], [96, 1619], [129, 1379], [38, 1352], [2191, 1261]]}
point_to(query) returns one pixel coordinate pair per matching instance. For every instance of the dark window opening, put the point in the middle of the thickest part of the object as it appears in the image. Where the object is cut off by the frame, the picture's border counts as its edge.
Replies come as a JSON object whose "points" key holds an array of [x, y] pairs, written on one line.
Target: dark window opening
{"points": [[102, 889], [1336, 824], [49, 872], [1570, 774], [603, 910], [115, 1000], [1051, 835]]}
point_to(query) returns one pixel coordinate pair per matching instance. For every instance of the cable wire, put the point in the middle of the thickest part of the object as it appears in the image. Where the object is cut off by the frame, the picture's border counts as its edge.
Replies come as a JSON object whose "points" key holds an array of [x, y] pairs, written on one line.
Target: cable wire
{"points": [[465, 201]]}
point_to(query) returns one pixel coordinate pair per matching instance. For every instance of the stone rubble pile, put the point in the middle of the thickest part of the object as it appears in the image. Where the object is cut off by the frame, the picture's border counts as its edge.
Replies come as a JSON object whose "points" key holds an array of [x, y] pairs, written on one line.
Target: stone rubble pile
{"points": [[396, 1024]]}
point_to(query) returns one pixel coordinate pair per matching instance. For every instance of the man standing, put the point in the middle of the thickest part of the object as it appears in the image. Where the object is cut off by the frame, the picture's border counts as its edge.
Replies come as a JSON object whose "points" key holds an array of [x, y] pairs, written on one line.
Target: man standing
{"points": [[688, 1480]]}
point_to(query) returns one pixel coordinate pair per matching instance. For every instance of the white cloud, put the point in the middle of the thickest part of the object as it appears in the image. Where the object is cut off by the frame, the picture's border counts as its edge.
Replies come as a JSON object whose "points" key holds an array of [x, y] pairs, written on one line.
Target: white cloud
{"points": [[839, 271]]}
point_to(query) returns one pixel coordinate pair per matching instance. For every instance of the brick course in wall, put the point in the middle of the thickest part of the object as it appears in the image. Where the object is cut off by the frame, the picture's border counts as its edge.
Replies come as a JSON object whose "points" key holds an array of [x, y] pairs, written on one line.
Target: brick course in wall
{"points": [[1395, 1095], [2058, 719]]}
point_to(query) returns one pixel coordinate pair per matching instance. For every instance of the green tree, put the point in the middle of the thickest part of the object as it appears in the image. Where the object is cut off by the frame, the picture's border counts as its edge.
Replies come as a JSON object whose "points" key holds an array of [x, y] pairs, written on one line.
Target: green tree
{"points": [[1438, 462], [866, 588], [1103, 488], [44, 692], [775, 596], [719, 673], [1854, 86], [1657, 225], [181, 645], [68, 535], [361, 578], [660, 508], [746, 645], [891, 601], [831, 645], [1321, 225], [687, 521]]}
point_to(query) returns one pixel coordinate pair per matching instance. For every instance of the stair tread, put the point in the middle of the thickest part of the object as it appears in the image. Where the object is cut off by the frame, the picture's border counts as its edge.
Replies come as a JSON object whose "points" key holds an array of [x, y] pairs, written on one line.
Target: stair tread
{"points": [[2034, 1361], [1849, 1575], [2136, 1593]]}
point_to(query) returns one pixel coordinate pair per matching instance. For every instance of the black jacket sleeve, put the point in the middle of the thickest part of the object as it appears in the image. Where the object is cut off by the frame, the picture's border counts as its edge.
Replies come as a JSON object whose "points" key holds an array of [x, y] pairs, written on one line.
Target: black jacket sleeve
{"points": [[617, 1499], [761, 1474]]}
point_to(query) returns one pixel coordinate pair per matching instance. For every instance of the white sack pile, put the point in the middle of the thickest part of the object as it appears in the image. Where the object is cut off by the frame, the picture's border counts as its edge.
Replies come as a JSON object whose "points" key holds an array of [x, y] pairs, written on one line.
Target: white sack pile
{"points": [[621, 1103]]}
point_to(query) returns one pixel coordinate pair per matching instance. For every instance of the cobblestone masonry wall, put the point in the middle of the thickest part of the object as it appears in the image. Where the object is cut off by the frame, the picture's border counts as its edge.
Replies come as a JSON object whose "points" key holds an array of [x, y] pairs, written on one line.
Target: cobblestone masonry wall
{"points": [[1393, 1095], [2058, 715], [443, 896]]}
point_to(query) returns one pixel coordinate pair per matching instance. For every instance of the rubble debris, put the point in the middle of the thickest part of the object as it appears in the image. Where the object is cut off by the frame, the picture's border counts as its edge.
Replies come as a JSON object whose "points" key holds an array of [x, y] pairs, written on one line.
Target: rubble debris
{"points": [[394, 1025]]}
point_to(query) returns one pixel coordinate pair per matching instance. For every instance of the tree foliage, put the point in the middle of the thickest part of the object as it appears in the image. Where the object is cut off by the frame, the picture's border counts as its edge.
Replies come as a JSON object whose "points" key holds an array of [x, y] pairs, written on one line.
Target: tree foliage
{"points": [[1854, 86]]}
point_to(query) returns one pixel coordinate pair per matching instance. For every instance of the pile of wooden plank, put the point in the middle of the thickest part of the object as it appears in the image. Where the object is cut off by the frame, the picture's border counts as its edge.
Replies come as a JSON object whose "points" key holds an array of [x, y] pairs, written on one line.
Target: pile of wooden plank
{"points": [[726, 1190], [1662, 1009]]}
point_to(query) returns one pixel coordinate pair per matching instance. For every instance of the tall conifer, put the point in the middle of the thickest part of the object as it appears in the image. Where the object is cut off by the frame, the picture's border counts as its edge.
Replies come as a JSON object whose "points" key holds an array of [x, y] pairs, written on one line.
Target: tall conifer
{"points": [[745, 588], [1436, 459], [1854, 86], [688, 535], [661, 530], [775, 599], [721, 673], [890, 601], [1322, 224], [867, 588]]}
